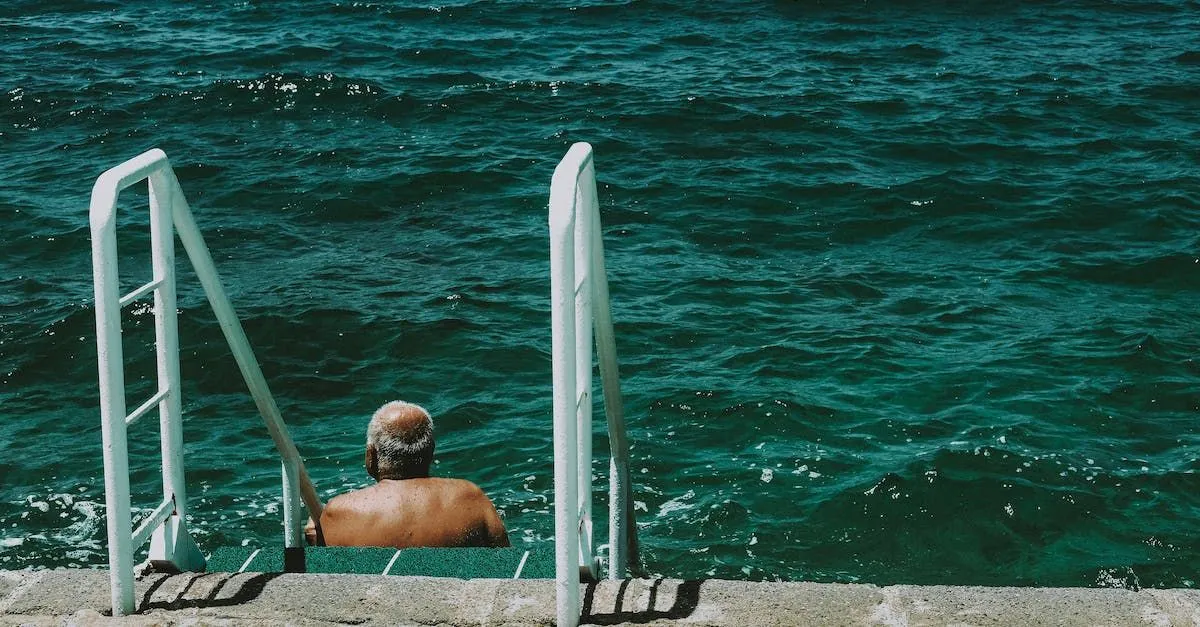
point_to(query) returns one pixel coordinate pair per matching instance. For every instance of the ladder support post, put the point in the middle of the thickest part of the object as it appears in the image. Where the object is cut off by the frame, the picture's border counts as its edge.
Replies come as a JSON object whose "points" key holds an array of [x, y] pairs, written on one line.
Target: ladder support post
{"points": [[293, 518], [166, 335], [585, 196], [622, 527], [566, 400], [112, 396], [566, 500]]}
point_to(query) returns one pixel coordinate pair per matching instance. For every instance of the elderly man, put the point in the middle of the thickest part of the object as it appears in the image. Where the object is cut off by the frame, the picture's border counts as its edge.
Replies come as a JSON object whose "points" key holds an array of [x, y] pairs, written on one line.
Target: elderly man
{"points": [[407, 507]]}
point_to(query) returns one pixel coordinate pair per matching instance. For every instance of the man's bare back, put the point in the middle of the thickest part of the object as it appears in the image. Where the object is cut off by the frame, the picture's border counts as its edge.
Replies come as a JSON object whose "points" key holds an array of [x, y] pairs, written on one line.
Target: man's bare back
{"points": [[407, 507], [415, 512]]}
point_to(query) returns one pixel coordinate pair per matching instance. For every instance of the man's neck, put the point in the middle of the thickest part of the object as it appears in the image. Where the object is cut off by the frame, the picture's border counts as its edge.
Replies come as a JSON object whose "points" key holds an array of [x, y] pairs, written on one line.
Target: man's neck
{"points": [[404, 478]]}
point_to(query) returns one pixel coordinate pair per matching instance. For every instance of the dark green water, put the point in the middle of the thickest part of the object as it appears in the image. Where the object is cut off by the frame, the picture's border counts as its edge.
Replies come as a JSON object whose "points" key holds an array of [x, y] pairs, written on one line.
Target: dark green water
{"points": [[905, 292]]}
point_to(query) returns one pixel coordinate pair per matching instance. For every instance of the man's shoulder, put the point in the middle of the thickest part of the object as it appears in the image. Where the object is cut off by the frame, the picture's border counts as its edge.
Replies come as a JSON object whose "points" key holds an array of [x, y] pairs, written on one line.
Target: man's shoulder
{"points": [[347, 500], [438, 488], [415, 488], [458, 484], [447, 486]]}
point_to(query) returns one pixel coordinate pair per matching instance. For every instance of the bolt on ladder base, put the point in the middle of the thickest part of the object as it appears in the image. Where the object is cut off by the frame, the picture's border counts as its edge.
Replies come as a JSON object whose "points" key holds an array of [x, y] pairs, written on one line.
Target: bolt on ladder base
{"points": [[173, 550]]}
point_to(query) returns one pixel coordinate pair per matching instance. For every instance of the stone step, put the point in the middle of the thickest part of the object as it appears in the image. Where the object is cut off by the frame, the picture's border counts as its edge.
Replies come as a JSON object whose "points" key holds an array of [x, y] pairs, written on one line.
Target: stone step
{"points": [[465, 563], [78, 596]]}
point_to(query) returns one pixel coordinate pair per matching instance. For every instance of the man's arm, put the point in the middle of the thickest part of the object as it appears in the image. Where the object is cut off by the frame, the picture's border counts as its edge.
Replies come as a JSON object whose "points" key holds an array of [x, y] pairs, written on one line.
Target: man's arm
{"points": [[312, 534], [497, 534]]}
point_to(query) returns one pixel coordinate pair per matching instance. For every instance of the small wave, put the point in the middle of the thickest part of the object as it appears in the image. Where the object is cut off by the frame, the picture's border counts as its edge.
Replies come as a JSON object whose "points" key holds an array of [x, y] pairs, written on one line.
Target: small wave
{"points": [[283, 92], [1178, 270], [922, 52], [1191, 57]]}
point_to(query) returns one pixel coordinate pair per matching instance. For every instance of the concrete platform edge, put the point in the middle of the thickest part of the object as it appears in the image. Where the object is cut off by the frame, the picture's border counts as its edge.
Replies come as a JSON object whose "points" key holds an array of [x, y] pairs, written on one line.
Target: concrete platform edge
{"points": [[80, 597]]}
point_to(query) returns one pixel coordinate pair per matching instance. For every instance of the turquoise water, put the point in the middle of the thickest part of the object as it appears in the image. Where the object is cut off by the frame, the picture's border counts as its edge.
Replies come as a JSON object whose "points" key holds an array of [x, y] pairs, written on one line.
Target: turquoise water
{"points": [[905, 292]]}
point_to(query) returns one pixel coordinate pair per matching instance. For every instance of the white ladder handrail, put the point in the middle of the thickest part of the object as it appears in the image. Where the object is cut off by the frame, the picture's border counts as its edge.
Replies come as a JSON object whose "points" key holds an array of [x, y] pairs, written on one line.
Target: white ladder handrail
{"points": [[169, 213], [579, 306]]}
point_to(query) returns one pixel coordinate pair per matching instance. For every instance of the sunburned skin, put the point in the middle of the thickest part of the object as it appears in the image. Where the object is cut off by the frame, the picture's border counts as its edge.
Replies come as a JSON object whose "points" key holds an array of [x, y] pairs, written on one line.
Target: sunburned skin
{"points": [[414, 512]]}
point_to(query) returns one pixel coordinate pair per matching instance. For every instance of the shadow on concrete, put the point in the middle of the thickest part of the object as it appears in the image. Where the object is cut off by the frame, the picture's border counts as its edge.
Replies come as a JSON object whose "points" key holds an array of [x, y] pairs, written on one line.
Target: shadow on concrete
{"points": [[687, 597], [248, 590]]}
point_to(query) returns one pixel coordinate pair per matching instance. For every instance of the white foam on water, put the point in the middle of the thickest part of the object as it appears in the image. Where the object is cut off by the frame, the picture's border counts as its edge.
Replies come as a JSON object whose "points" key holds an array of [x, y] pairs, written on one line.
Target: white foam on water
{"points": [[86, 531], [677, 504]]}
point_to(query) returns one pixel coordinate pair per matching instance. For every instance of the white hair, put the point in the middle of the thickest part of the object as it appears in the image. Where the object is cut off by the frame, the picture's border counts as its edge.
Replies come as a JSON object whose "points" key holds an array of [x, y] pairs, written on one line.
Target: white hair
{"points": [[400, 453]]}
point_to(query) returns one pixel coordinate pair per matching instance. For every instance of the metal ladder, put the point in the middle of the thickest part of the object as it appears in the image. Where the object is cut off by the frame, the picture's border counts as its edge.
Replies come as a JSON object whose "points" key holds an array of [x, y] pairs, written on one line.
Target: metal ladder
{"points": [[171, 546], [579, 307]]}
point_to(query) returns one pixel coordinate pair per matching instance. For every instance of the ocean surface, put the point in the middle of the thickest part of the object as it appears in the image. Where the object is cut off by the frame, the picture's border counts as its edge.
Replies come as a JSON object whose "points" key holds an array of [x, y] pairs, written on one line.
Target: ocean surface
{"points": [[904, 291]]}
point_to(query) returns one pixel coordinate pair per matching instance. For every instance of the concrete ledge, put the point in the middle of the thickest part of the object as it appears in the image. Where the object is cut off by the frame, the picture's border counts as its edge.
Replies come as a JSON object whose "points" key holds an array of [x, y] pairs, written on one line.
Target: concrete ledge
{"points": [[80, 597]]}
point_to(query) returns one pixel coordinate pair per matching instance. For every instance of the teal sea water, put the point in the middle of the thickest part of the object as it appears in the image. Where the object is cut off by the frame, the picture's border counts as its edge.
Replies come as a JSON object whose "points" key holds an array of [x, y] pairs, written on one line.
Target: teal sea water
{"points": [[905, 292]]}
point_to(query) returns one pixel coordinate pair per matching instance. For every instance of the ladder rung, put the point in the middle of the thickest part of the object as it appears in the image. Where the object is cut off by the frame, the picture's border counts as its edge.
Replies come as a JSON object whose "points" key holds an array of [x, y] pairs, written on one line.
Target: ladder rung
{"points": [[139, 292], [164, 510], [145, 407]]}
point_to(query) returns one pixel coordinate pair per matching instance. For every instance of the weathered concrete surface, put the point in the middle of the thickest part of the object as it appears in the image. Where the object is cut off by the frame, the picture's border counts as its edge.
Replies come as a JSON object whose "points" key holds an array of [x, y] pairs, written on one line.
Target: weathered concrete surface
{"points": [[81, 597]]}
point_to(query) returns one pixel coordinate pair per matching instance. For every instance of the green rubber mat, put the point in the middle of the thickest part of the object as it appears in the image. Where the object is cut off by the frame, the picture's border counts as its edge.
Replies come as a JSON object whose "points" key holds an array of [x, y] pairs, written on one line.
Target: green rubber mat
{"points": [[474, 563]]}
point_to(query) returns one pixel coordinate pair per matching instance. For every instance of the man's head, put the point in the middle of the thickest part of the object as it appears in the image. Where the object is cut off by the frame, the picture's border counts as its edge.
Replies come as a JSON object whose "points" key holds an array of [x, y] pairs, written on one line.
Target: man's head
{"points": [[399, 442]]}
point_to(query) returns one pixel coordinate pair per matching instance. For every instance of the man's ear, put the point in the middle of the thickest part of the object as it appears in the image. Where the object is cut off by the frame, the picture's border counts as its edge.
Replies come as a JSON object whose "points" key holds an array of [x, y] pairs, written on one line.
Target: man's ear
{"points": [[372, 462]]}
